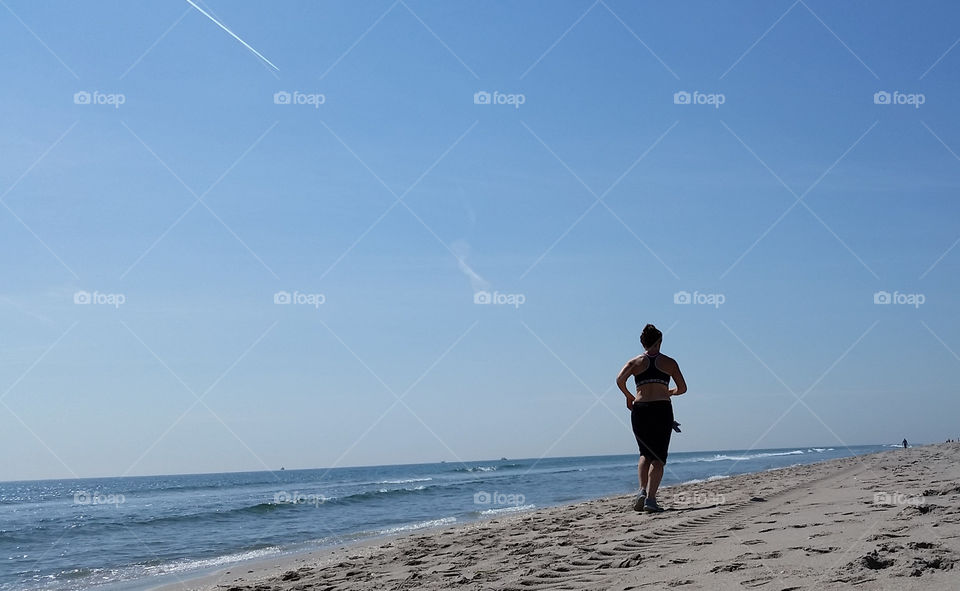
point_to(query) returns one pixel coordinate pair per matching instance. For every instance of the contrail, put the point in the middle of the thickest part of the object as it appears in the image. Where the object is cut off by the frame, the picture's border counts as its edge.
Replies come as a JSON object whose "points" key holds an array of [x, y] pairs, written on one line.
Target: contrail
{"points": [[461, 248], [232, 34]]}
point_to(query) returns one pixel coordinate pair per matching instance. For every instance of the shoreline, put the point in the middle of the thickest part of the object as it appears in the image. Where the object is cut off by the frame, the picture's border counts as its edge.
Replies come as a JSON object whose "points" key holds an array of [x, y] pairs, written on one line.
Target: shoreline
{"points": [[284, 561], [566, 531], [185, 580]]}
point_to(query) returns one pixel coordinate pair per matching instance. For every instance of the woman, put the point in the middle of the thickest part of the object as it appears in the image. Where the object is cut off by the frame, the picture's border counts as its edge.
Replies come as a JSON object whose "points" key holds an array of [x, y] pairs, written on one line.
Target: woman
{"points": [[651, 413]]}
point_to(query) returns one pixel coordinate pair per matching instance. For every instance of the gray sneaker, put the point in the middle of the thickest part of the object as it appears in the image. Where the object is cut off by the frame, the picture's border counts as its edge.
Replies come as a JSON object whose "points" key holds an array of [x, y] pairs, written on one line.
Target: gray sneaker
{"points": [[651, 506], [640, 501]]}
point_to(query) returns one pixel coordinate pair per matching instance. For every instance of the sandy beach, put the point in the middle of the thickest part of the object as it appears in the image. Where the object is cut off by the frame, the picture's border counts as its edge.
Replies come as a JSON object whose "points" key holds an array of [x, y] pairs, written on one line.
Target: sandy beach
{"points": [[883, 521]]}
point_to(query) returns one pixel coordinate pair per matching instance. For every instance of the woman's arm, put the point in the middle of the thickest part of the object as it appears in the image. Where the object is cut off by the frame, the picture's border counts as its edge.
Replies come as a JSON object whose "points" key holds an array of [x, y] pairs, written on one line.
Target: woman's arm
{"points": [[678, 379], [627, 371]]}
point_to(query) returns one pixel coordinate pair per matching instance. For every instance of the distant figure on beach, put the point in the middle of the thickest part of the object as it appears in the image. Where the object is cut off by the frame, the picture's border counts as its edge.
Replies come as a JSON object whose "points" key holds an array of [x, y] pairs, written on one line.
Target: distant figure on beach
{"points": [[904, 443], [651, 413]]}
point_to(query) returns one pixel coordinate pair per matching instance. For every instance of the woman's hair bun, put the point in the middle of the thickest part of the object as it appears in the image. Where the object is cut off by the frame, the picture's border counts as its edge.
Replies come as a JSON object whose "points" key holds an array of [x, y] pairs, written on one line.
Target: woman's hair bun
{"points": [[650, 336]]}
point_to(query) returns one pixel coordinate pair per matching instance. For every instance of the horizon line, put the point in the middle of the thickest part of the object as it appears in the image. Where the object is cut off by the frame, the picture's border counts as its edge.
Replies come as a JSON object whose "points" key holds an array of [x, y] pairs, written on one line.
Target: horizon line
{"points": [[284, 469]]}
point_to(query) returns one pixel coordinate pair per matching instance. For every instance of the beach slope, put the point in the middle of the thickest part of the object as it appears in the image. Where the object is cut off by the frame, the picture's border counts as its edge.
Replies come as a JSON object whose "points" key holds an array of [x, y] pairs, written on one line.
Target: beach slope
{"points": [[883, 521]]}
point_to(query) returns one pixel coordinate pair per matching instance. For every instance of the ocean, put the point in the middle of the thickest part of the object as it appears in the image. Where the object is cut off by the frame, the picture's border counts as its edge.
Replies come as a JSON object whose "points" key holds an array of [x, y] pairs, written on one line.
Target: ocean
{"points": [[134, 532]]}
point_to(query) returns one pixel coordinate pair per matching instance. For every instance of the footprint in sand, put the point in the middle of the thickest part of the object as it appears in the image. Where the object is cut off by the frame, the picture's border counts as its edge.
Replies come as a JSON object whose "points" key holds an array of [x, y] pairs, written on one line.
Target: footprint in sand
{"points": [[728, 568], [758, 582]]}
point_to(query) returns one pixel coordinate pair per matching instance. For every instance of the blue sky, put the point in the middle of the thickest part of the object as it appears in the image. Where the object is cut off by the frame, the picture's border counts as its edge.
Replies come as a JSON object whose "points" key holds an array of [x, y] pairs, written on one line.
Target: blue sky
{"points": [[595, 202]]}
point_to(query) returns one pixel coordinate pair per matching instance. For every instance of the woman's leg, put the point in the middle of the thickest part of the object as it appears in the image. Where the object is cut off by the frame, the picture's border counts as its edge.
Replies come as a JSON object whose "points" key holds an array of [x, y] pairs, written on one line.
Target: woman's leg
{"points": [[661, 446], [654, 477], [643, 470]]}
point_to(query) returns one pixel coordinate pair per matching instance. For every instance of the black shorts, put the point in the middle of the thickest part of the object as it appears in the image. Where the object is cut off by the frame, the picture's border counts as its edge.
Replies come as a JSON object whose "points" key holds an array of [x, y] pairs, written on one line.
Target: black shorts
{"points": [[652, 425]]}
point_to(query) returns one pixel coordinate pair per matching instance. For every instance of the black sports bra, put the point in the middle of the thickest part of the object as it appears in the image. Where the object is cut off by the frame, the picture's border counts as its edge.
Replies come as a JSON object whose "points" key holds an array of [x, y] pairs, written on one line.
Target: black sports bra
{"points": [[652, 375]]}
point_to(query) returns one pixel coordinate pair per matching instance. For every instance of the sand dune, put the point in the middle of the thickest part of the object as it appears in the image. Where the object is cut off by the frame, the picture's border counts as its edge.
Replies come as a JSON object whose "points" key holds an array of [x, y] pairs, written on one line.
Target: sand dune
{"points": [[883, 521]]}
